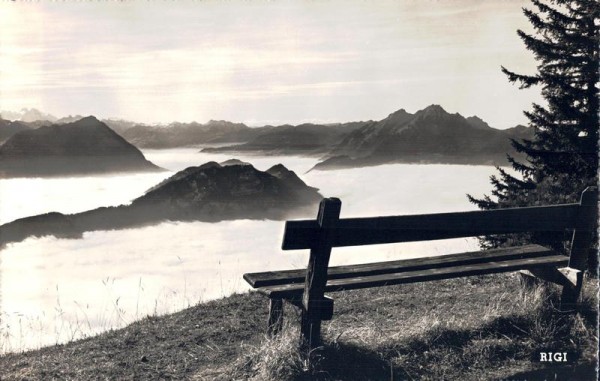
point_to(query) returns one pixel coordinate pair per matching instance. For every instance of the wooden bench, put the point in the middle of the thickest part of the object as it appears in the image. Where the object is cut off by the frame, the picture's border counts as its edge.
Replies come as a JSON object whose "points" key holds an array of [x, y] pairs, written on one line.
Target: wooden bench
{"points": [[306, 288]]}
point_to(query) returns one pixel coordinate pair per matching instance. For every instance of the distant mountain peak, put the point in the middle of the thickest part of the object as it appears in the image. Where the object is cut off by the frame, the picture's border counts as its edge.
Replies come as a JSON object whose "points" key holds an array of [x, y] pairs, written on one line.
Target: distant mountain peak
{"points": [[279, 170], [287, 175], [28, 115], [210, 164], [88, 120], [432, 114], [430, 135], [81, 147], [69, 119], [233, 162], [222, 192], [397, 118], [221, 123], [398, 112], [90, 123], [475, 118], [520, 132], [432, 110], [477, 122]]}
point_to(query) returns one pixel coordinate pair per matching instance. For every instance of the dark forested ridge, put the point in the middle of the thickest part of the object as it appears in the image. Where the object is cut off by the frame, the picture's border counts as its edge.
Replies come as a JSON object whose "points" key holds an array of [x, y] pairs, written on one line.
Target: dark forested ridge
{"points": [[211, 192]]}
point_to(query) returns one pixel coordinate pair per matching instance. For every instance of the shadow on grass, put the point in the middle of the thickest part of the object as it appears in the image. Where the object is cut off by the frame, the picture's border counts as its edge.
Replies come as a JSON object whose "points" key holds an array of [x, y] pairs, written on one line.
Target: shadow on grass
{"points": [[477, 348], [443, 353], [582, 372], [352, 362]]}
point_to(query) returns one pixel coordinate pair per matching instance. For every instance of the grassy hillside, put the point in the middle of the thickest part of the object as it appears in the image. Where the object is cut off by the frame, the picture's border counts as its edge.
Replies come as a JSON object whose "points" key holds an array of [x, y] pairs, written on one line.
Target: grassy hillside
{"points": [[478, 328]]}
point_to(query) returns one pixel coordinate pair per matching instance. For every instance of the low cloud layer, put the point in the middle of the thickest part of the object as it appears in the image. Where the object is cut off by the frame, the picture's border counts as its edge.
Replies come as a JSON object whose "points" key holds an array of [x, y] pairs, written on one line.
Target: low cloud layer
{"points": [[107, 279]]}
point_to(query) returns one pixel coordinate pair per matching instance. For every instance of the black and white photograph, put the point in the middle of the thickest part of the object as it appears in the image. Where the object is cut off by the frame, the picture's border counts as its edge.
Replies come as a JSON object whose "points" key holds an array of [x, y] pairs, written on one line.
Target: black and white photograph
{"points": [[299, 190]]}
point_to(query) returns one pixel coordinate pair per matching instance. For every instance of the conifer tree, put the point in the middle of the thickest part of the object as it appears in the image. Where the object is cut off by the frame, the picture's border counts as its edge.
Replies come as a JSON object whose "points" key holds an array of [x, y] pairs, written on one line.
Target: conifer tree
{"points": [[562, 158]]}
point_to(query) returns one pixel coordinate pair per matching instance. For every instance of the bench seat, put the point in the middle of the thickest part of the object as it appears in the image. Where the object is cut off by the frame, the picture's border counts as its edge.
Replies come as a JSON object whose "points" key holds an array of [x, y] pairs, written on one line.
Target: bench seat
{"points": [[289, 284]]}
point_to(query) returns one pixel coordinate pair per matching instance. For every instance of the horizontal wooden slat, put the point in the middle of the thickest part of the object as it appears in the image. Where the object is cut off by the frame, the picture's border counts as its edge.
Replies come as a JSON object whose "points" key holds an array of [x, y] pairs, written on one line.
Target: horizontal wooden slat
{"points": [[287, 291], [378, 230], [271, 278]]}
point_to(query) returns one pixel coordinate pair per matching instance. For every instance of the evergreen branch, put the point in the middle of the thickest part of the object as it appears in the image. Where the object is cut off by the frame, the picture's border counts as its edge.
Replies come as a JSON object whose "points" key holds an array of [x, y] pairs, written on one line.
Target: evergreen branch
{"points": [[525, 81], [553, 14]]}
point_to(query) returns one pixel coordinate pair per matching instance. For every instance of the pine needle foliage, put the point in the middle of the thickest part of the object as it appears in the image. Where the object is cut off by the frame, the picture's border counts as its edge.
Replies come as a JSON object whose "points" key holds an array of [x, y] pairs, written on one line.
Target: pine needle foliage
{"points": [[562, 158]]}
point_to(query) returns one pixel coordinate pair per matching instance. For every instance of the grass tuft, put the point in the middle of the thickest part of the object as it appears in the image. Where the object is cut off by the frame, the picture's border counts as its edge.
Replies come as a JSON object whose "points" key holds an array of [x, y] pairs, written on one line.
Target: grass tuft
{"points": [[273, 359]]}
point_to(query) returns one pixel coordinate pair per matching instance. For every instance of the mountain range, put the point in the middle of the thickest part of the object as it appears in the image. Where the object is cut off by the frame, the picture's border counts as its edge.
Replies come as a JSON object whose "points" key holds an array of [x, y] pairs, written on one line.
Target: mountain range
{"points": [[431, 135], [187, 134], [27, 115], [303, 139], [83, 147], [211, 192]]}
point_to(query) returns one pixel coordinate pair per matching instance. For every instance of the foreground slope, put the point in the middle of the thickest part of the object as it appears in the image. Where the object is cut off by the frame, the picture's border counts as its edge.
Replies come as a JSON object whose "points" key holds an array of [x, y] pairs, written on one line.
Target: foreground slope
{"points": [[480, 328]]}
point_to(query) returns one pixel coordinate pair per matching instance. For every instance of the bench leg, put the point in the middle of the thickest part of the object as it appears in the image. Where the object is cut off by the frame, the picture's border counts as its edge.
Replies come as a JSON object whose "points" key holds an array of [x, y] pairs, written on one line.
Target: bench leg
{"points": [[310, 329], [310, 333], [579, 253], [570, 294], [275, 317]]}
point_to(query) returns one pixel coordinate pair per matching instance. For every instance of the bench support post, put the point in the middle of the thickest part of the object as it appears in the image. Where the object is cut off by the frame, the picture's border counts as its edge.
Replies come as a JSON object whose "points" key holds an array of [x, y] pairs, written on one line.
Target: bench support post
{"points": [[275, 317], [580, 245], [316, 276]]}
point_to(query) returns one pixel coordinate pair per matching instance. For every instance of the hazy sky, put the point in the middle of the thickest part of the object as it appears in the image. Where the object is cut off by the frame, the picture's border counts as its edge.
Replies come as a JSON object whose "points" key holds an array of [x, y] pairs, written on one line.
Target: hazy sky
{"points": [[263, 62]]}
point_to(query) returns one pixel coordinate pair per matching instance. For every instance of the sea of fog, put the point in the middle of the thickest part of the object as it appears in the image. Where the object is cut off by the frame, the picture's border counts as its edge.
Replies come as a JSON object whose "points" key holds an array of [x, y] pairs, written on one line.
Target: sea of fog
{"points": [[53, 290]]}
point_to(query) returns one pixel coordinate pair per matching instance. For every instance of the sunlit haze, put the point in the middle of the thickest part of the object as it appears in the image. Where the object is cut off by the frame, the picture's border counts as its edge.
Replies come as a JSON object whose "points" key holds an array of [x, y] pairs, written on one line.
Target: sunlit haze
{"points": [[263, 62]]}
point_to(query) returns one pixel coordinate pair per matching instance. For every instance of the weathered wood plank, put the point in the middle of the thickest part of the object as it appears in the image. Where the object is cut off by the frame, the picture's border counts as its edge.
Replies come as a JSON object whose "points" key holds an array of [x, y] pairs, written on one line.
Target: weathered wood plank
{"points": [[582, 236], [580, 244], [275, 322], [379, 230], [571, 275], [271, 278], [316, 274], [287, 291], [323, 307], [563, 276]]}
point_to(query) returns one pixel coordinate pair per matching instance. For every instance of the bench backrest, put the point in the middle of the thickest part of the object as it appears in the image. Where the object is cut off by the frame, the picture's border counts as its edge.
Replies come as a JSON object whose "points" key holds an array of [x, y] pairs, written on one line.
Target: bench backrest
{"points": [[305, 234], [310, 234]]}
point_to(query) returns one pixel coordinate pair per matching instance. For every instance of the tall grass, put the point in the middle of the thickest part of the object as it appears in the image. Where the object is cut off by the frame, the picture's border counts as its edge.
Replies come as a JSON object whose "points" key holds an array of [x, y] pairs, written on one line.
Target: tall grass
{"points": [[277, 359], [504, 331]]}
